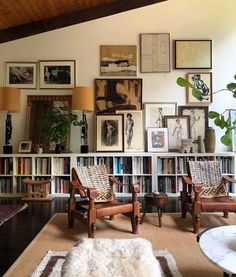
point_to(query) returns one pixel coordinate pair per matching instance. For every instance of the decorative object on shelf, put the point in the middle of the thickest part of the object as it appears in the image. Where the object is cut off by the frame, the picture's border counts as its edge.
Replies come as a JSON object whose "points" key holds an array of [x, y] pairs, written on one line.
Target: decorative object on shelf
{"points": [[40, 150], [57, 74], [25, 146], [155, 52], [201, 145], [118, 94], [157, 140], [186, 145], [21, 74], [83, 100], [9, 102], [118, 60], [210, 140], [193, 54]]}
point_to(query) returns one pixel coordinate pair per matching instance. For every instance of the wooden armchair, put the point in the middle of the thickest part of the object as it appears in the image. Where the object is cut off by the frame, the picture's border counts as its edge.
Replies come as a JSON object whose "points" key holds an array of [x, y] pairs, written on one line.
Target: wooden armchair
{"points": [[205, 190], [97, 198]]}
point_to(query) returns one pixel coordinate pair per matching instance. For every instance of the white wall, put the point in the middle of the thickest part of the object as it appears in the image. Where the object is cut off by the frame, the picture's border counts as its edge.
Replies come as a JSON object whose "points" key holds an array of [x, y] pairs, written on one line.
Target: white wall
{"points": [[183, 19]]}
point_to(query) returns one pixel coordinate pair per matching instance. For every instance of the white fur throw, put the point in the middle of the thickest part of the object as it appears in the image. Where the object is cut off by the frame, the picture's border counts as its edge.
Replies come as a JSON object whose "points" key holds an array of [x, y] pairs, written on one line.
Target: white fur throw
{"points": [[111, 257]]}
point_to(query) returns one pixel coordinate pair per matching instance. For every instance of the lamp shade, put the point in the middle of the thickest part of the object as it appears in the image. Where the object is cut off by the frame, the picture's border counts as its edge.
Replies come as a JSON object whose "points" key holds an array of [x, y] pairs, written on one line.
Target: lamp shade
{"points": [[83, 99], [10, 99]]}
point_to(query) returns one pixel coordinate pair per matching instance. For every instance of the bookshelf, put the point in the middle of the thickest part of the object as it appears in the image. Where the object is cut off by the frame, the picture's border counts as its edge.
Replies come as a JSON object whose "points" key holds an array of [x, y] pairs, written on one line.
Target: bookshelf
{"points": [[161, 172]]}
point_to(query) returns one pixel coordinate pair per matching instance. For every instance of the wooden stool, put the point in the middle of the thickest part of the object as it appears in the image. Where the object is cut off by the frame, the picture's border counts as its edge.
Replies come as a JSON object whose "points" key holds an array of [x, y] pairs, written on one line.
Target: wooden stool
{"points": [[155, 200], [37, 190]]}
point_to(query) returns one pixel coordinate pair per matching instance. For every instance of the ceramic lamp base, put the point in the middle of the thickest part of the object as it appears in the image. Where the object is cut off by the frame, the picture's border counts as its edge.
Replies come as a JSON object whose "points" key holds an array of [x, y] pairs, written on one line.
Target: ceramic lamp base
{"points": [[7, 149], [84, 149]]}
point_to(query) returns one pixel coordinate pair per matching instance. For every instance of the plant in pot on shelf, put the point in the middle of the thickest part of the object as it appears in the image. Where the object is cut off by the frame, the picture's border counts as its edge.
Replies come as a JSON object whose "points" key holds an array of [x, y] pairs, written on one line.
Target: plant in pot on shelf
{"points": [[56, 126]]}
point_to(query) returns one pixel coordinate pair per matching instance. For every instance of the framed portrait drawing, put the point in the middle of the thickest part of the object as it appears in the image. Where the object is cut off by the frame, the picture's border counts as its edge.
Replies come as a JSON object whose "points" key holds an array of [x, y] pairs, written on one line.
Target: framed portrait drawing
{"points": [[155, 52], [193, 54], [25, 146], [117, 94], [118, 60], [198, 119], [133, 130], [56, 74], [154, 113], [202, 81], [157, 139], [109, 133], [21, 74], [178, 129]]}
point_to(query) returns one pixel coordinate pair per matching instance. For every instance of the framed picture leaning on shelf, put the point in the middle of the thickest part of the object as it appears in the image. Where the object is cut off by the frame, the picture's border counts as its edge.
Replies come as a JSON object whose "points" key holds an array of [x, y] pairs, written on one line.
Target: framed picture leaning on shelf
{"points": [[178, 129], [25, 146], [133, 130], [109, 133], [157, 139]]}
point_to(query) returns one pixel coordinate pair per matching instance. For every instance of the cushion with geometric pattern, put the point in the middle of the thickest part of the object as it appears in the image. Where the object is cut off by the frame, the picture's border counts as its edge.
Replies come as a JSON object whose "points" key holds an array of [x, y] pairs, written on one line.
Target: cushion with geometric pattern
{"points": [[212, 191]]}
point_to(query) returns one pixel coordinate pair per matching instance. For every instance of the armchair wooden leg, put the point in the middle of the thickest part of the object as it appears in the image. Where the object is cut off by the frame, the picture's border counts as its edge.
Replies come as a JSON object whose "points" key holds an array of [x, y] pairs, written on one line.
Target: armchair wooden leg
{"points": [[196, 223], [226, 214], [71, 218], [183, 198], [91, 230], [135, 218]]}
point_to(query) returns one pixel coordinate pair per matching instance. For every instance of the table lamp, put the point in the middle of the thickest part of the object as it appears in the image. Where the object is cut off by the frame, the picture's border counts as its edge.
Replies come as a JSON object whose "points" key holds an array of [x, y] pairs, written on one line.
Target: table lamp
{"points": [[83, 100], [9, 102]]}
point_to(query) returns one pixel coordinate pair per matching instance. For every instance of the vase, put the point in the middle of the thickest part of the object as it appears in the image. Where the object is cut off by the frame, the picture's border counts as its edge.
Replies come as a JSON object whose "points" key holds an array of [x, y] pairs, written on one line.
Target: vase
{"points": [[210, 140]]}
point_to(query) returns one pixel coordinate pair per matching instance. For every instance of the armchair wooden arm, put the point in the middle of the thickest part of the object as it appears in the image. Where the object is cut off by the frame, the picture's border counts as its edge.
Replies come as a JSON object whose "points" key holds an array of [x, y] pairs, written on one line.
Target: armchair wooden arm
{"points": [[227, 179]]}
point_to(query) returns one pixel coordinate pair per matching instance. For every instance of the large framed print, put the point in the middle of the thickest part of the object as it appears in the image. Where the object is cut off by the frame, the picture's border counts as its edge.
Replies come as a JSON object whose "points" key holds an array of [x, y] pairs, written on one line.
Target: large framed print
{"points": [[21, 74], [155, 52], [118, 94], [133, 130], [154, 113], [109, 133], [178, 129], [193, 54], [157, 139], [57, 74], [118, 60]]}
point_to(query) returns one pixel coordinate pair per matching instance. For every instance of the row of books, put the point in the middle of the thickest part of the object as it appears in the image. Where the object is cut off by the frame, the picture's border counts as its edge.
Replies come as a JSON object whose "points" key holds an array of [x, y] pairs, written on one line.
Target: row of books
{"points": [[108, 161], [147, 165], [6, 185], [226, 165], [21, 186], [23, 166], [166, 166], [61, 166], [6, 166], [42, 166], [81, 161], [182, 164], [166, 184], [61, 185]]}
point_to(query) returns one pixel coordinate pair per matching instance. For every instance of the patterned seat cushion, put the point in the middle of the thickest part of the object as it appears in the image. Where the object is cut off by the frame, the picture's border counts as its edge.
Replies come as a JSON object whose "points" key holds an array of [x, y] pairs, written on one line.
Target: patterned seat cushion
{"points": [[213, 191]]}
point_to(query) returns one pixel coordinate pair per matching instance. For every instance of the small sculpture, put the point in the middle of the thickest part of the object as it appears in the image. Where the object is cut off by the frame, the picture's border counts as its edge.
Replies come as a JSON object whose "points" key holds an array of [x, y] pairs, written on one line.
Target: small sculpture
{"points": [[8, 131], [186, 146]]}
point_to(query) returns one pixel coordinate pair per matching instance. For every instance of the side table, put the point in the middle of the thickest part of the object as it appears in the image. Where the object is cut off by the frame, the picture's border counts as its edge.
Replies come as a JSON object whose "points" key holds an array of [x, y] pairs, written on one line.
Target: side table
{"points": [[155, 200]]}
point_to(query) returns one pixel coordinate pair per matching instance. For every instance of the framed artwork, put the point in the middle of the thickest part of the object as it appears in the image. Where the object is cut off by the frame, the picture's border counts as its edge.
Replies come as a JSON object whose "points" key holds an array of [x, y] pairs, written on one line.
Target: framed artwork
{"points": [[21, 74], [198, 117], [133, 130], [109, 133], [157, 139], [155, 112], [193, 54], [118, 60], [202, 81], [178, 129], [56, 74], [118, 94], [25, 146], [155, 52], [232, 116]]}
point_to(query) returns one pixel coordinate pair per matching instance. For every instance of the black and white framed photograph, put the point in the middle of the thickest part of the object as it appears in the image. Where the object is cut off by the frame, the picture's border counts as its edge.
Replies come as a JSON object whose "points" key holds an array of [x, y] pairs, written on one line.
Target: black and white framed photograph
{"points": [[25, 146], [133, 130], [109, 133], [178, 129], [154, 113], [157, 139], [56, 74], [118, 94], [21, 74]]}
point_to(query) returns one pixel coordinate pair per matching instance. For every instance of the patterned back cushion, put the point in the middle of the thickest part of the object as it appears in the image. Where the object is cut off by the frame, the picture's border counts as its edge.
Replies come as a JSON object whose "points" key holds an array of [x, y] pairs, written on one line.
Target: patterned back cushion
{"points": [[95, 177]]}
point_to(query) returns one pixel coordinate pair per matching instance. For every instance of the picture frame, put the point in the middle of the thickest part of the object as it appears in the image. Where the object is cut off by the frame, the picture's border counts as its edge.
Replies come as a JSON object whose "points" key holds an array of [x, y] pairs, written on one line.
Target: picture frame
{"points": [[202, 81], [118, 60], [57, 74], [133, 130], [178, 129], [157, 139], [21, 75], [25, 146], [109, 133], [154, 52], [154, 113], [118, 94], [193, 54]]}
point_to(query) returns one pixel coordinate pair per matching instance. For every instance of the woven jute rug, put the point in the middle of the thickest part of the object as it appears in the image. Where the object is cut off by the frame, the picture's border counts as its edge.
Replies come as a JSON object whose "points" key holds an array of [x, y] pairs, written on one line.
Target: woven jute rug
{"points": [[8, 211], [175, 235]]}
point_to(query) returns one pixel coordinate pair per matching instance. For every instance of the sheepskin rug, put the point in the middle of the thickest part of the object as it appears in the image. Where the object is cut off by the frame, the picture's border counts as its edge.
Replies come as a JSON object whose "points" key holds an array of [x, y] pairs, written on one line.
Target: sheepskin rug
{"points": [[111, 257]]}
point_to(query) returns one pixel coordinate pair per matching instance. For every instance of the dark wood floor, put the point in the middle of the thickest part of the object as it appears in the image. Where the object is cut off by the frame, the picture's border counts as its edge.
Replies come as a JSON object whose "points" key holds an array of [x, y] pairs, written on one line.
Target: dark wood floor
{"points": [[19, 231]]}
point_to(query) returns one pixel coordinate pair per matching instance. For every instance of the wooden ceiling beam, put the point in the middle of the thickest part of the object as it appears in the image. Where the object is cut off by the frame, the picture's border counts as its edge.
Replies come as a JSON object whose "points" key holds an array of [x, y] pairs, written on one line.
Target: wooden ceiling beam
{"points": [[50, 24]]}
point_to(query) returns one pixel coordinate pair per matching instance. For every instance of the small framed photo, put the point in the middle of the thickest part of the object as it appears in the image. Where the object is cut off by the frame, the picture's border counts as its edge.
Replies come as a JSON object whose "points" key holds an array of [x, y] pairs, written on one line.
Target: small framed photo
{"points": [[178, 129], [133, 130], [193, 54], [109, 133], [25, 146], [118, 60], [202, 81], [21, 74], [157, 139], [56, 74], [155, 112]]}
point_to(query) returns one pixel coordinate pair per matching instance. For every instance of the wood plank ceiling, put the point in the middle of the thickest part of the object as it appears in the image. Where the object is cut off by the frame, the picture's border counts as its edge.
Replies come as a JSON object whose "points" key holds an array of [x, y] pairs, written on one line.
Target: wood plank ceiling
{"points": [[23, 18]]}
